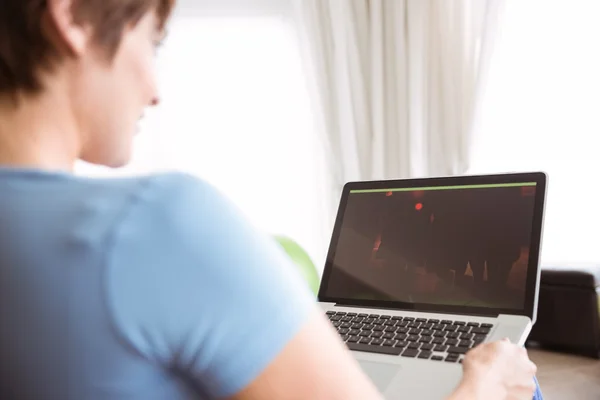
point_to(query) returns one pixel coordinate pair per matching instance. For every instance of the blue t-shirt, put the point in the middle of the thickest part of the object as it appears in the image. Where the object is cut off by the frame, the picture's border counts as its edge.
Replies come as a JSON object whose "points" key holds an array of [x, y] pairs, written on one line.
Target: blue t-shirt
{"points": [[136, 288]]}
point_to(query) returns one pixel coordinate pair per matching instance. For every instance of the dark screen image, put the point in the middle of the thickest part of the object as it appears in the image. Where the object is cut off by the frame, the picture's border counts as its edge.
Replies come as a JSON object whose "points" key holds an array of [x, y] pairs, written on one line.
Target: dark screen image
{"points": [[462, 247]]}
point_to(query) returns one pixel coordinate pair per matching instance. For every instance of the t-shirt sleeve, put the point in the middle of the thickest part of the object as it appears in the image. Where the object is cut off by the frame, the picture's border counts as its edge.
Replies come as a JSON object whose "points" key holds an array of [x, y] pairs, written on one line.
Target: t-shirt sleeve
{"points": [[192, 285]]}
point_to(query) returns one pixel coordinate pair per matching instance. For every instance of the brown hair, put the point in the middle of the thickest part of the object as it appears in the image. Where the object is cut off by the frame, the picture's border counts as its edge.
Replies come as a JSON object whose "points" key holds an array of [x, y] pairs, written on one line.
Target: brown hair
{"points": [[25, 47]]}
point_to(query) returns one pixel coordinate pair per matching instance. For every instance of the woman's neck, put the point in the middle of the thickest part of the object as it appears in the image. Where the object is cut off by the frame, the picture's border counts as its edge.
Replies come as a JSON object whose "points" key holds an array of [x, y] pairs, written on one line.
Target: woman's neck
{"points": [[38, 132]]}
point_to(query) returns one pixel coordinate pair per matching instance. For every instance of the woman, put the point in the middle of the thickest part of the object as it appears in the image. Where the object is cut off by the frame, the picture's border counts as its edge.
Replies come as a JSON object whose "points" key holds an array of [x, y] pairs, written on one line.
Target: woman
{"points": [[152, 287]]}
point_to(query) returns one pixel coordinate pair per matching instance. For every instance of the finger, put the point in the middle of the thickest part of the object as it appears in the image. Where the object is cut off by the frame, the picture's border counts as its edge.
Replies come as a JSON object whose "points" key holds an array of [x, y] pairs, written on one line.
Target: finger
{"points": [[523, 351], [533, 367], [524, 392]]}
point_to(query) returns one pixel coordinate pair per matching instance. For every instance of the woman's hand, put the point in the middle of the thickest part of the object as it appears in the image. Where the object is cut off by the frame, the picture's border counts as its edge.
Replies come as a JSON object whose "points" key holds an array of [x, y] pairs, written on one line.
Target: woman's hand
{"points": [[497, 371]]}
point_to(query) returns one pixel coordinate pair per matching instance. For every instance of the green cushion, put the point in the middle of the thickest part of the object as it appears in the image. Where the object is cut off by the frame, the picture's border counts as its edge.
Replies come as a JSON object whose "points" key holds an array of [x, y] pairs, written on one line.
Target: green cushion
{"points": [[302, 260]]}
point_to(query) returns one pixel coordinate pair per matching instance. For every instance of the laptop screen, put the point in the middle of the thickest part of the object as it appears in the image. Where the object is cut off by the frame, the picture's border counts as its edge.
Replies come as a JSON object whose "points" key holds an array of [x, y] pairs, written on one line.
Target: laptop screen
{"points": [[454, 245]]}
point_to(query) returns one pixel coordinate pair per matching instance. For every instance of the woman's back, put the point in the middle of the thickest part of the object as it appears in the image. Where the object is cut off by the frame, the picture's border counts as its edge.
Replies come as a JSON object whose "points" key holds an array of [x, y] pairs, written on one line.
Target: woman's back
{"points": [[100, 297]]}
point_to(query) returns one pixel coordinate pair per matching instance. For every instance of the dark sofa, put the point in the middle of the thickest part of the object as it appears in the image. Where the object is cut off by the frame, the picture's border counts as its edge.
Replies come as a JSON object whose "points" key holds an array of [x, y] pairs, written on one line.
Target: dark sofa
{"points": [[569, 311]]}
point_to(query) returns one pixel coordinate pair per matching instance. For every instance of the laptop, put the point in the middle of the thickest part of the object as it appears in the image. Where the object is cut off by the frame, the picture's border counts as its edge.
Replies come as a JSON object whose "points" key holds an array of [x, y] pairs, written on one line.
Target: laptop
{"points": [[421, 271]]}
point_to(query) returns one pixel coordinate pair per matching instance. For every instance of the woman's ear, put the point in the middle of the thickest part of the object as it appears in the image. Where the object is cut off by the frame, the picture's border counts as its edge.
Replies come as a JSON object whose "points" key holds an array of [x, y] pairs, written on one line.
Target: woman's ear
{"points": [[70, 34]]}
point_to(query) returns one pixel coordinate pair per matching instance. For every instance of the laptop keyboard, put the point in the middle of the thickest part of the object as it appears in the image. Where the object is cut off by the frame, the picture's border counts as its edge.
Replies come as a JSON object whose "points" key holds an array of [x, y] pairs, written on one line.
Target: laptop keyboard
{"points": [[428, 339]]}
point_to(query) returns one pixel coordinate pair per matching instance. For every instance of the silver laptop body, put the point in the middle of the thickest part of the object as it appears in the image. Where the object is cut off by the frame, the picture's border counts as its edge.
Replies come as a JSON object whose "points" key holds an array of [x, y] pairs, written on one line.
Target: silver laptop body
{"points": [[421, 271]]}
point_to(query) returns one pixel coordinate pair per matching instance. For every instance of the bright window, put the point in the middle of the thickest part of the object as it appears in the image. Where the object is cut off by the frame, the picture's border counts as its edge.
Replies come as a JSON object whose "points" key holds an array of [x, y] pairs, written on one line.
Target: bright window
{"points": [[236, 112], [542, 112]]}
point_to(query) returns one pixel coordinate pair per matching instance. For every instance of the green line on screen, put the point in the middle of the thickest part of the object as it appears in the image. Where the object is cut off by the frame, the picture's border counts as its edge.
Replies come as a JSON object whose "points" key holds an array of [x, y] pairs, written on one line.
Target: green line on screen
{"points": [[459, 187]]}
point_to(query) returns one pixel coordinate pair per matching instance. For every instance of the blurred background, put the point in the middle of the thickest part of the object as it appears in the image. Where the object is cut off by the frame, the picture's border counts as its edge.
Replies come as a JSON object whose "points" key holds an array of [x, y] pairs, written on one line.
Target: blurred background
{"points": [[279, 102]]}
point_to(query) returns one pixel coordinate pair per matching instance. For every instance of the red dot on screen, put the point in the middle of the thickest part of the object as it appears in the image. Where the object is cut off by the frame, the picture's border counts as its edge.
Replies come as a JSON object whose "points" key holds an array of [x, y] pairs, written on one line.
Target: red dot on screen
{"points": [[388, 194], [419, 206]]}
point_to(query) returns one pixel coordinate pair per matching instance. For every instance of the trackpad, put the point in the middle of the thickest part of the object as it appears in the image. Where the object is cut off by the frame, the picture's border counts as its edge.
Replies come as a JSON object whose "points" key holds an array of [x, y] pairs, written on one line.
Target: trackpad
{"points": [[381, 374]]}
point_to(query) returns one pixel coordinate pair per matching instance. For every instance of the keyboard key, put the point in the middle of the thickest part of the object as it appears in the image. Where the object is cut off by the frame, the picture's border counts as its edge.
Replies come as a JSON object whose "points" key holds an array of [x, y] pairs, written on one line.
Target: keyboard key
{"points": [[388, 335], [356, 326], [351, 314], [421, 319], [458, 350], [413, 338], [358, 320], [438, 340], [374, 316], [415, 331], [467, 336], [330, 313], [401, 336], [385, 317], [389, 342], [439, 334], [475, 324], [464, 329], [481, 331], [451, 359], [450, 328], [369, 320], [414, 324], [363, 315], [401, 344], [353, 339], [390, 329], [460, 323], [439, 327], [376, 334], [414, 345], [390, 323], [337, 323], [365, 333], [354, 332], [379, 322], [342, 313], [451, 342], [397, 318], [427, 346], [427, 326], [408, 319], [426, 333], [480, 337], [425, 355], [437, 358], [346, 319], [378, 328], [346, 325], [487, 325], [345, 337], [425, 339], [335, 318], [465, 343], [377, 342], [452, 335], [440, 347], [374, 349], [368, 327], [402, 324], [412, 353], [402, 330], [365, 340], [344, 331], [446, 321], [433, 321]]}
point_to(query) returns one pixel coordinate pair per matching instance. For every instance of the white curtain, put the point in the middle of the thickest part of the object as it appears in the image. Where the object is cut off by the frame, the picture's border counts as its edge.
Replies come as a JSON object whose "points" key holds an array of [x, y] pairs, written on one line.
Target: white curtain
{"points": [[396, 83]]}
